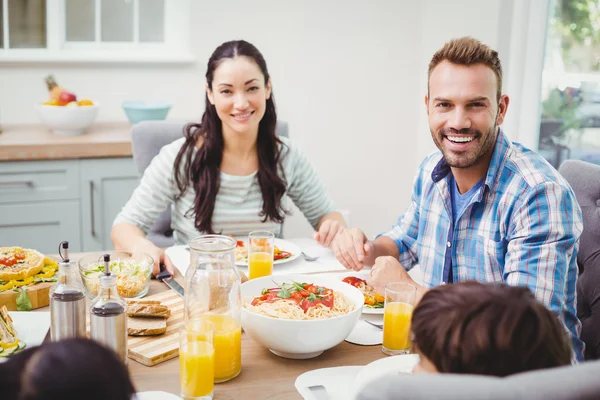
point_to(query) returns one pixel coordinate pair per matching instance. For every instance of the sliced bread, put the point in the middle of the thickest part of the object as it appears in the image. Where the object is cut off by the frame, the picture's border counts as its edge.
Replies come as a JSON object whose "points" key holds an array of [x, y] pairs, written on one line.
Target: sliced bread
{"points": [[146, 326], [148, 310]]}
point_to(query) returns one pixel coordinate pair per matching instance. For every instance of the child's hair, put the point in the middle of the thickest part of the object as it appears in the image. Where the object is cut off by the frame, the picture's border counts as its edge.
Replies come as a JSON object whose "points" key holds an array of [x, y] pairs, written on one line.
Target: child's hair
{"points": [[488, 329], [67, 370]]}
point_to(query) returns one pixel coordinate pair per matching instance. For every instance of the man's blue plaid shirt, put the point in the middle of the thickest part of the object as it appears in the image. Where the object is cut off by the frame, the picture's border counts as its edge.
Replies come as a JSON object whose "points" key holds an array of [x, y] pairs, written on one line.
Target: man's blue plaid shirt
{"points": [[522, 227]]}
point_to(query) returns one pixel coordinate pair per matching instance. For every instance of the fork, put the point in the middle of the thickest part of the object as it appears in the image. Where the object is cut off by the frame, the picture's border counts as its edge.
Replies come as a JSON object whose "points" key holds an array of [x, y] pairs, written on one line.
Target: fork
{"points": [[380, 326], [309, 258]]}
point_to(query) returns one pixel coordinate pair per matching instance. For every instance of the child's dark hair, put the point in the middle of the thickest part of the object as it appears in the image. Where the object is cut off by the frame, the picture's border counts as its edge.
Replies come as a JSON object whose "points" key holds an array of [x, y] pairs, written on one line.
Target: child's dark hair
{"points": [[67, 370], [488, 329]]}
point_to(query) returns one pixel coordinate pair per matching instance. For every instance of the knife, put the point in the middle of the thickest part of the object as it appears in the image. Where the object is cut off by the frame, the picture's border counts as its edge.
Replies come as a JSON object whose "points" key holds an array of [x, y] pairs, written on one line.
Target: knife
{"points": [[168, 280]]}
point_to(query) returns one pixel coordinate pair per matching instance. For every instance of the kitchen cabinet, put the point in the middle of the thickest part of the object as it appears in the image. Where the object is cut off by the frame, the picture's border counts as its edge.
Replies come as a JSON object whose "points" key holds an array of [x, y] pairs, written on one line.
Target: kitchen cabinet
{"points": [[45, 202]]}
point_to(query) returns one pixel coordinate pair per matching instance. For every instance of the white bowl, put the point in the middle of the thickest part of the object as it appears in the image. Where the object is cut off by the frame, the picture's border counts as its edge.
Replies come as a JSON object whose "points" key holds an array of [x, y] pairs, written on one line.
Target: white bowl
{"points": [[68, 120], [299, 339]]}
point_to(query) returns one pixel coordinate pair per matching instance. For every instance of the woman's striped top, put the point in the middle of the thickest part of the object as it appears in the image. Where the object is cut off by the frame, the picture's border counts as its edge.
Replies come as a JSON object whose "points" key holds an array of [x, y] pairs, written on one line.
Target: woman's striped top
{"points": [[239, 200]]}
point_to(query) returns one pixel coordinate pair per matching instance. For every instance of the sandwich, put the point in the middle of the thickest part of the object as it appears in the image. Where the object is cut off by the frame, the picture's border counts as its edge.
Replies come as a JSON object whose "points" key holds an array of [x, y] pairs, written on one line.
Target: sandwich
{"points": [[9, 342]]}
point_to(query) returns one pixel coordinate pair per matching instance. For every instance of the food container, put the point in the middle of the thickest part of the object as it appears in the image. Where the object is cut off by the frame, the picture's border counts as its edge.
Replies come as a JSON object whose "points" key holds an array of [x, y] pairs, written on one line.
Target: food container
{"points": [[132, 272], [67, 121], [138, 111]]}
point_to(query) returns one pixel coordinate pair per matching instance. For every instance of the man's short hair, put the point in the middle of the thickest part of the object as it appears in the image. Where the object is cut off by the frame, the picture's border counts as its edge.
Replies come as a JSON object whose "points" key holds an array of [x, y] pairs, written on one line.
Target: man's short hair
{"points": [[488, 329], [468, 51]]}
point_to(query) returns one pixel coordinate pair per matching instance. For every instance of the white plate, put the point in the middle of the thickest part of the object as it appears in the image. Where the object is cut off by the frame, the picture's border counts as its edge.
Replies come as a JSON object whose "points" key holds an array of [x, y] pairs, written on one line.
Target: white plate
{"points": [[156, 395], [386, 366], [283, 245], [334, 380], [180, 255], [362, 275], [31, 327]]}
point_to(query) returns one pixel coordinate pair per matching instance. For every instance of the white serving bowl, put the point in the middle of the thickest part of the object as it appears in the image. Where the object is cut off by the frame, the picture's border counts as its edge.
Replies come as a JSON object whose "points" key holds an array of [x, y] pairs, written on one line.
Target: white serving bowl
{"points": [[67, 120], [299, 339]]}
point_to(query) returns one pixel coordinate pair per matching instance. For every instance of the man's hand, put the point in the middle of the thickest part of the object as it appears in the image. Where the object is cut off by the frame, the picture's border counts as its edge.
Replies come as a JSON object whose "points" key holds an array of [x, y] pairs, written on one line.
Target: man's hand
{"points": [[327, 232], [350, 247], [388, 269]]}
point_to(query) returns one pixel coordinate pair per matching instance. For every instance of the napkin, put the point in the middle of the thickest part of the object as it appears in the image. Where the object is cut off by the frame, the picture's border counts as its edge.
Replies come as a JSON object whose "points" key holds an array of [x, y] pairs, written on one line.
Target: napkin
{"points": [[334, 380], [365, 334]]}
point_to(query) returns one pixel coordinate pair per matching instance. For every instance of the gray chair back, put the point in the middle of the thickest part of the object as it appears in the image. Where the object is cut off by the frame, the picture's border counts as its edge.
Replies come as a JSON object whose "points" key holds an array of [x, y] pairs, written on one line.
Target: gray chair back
{"points": [[584, 178], [147, 138], [578, 382]]}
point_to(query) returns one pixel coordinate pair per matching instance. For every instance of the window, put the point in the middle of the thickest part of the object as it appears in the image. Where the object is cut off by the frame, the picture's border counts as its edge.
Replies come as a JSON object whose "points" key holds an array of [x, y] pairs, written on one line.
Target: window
{"points": [[570, 120], [94, 30]]}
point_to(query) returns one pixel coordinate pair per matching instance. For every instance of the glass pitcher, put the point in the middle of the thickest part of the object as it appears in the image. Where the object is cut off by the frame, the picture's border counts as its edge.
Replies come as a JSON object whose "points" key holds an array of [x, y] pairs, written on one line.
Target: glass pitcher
{"points": [[212, 292]]}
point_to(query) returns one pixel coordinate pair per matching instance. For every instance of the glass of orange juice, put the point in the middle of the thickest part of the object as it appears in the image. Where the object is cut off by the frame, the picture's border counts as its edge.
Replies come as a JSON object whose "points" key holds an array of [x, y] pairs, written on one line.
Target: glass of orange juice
{"points": [[197, 359], [397, 313], [261, 245]]}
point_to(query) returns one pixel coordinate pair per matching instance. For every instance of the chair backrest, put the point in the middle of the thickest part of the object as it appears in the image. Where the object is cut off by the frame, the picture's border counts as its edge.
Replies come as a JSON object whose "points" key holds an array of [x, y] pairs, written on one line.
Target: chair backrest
{"points": [[565, 383], [584, 178], [147, 138]]}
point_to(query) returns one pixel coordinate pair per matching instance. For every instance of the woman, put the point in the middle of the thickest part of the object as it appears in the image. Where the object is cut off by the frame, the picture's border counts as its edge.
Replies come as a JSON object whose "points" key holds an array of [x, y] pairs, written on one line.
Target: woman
{"points": [[68, 369], [229, 174], [486, 329]]}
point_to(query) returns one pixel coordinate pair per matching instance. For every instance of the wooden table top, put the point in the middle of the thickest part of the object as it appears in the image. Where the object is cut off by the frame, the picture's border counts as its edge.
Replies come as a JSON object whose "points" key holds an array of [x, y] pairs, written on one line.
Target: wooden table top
{"points": [[264, 375], [36, 142]]}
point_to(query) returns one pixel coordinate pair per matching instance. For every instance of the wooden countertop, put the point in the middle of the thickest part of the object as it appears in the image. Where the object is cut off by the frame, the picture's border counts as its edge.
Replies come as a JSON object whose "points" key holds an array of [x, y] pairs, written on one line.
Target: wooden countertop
{"points": [[35, 142]]}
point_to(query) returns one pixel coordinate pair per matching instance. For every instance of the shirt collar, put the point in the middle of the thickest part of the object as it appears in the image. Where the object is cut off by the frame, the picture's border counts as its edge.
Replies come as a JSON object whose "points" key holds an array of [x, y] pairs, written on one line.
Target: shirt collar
{"points": [[501, 152]]}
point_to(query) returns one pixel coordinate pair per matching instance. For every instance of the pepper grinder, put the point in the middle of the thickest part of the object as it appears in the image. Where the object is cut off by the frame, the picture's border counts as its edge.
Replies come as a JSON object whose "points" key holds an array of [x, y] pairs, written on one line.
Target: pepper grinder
{"points": [[108, 318], [67, 300]]}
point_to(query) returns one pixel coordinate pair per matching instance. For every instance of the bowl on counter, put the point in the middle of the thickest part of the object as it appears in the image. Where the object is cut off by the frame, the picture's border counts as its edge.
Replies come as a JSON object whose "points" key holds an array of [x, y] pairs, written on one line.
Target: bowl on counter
{"points": [[67, 121], [137, 110], [133, 272], [299, 339]]}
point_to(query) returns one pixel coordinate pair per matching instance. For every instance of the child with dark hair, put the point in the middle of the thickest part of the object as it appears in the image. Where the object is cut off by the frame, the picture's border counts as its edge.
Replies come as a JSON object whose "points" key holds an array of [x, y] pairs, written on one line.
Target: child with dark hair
{"points": [[70, 369], [486, 329]]}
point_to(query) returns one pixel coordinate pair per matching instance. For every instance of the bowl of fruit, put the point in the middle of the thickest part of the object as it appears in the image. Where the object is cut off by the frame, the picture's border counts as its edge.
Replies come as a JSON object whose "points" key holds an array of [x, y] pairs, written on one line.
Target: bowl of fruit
{"points": [[63, 113]]}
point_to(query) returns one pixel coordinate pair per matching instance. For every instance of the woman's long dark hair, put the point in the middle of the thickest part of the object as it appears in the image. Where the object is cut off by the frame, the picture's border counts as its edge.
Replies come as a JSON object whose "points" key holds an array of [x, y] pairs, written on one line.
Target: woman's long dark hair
{"points": [[202, 172]]}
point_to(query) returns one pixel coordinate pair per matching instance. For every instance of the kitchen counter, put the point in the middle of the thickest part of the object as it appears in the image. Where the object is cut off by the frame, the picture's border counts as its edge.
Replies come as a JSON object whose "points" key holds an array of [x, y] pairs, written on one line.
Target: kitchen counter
{"points": [[35, 142]]}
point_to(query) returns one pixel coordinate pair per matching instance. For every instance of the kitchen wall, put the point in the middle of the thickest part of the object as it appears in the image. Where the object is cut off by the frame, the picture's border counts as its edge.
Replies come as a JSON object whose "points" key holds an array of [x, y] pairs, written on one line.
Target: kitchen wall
{"points": [[349, 76]]}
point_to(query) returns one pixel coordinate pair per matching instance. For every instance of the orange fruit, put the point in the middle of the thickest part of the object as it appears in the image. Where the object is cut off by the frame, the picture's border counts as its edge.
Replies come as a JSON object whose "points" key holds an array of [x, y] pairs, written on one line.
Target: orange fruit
{"points": [[85, 102]]}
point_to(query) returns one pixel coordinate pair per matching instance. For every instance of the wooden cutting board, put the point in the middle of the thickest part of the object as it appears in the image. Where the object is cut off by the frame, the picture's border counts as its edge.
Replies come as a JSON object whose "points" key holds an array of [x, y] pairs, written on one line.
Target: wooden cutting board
{"points": [[152, 350], [38, 294]]}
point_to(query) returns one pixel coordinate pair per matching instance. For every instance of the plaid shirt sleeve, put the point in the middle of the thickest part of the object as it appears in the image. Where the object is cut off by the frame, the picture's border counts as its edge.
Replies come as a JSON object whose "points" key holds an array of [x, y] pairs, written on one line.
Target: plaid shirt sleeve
{"points": [[541, 247], [406, 230]]}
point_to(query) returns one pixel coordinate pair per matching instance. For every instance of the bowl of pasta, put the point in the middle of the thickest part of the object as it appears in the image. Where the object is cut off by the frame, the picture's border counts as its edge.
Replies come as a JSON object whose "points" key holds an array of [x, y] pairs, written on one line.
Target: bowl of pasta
{"points": [[133, 272], [299, 316]]}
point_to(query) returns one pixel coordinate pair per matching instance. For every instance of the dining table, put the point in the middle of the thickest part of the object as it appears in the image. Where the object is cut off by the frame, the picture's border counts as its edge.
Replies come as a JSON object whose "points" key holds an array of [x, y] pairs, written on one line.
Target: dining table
{"points": [[264, 375]]}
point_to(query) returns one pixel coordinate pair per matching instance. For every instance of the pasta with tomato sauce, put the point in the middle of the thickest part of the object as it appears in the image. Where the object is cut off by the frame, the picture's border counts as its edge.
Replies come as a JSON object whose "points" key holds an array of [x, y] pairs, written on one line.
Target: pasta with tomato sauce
{"points": [[301, 301]]}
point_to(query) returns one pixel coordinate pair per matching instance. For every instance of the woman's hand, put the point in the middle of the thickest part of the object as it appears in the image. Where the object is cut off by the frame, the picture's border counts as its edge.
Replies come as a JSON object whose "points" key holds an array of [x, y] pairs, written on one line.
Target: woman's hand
{"points": [[158, 255], [327, 232]]}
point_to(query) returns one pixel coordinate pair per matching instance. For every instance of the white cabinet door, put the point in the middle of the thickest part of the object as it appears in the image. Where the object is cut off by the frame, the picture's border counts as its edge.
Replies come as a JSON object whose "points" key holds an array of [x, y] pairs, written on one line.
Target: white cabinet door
{"points": [[106, 185], [41, 226]]}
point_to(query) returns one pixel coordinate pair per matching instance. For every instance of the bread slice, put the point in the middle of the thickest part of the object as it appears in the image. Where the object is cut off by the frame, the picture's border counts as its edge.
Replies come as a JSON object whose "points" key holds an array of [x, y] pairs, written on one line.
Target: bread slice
{"points": [[130, 302], [146, 326], [148, 310]]}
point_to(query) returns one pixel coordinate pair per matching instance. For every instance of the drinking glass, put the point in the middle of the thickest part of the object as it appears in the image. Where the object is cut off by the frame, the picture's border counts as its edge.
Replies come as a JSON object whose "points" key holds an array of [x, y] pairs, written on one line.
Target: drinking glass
{"points": [[397, 313], [261, 245], [197, 360]]}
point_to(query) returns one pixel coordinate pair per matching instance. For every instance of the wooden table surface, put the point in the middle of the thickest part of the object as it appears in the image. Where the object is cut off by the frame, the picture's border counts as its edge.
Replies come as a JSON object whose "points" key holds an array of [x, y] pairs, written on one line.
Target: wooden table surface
{"points": [[264, 375]]}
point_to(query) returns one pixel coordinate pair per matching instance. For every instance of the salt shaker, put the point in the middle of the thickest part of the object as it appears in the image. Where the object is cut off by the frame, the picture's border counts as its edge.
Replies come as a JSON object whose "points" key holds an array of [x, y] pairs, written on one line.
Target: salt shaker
{"points": [[67, 300], [108, 318]]}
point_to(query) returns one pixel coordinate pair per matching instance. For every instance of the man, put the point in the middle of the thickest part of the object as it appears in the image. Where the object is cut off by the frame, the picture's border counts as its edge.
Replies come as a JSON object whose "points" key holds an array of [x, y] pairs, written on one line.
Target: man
{"points": [[482, 208]]}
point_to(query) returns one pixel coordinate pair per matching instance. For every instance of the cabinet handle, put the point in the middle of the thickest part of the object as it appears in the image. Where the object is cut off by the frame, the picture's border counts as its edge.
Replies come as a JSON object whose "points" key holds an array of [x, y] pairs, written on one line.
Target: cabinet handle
{"points": [[92, 222], [17, 184]]}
